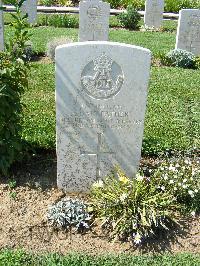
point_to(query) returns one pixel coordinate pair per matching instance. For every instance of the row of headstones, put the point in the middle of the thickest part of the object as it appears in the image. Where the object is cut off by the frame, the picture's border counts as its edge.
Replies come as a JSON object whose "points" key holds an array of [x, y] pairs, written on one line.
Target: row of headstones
{"points": [[94, 22], [188, 33]]}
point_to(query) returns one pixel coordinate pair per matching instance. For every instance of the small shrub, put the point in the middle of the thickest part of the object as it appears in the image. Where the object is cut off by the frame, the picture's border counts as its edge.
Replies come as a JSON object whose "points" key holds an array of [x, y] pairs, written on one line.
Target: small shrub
{"points": [[68, 213], [130, 19], [55, 2], [132, 209], [181, 178], [59, 21], [163, 59], [27, 50], [181, 58], [51, 46], [46, 2], [13, 82], [65, 21]]}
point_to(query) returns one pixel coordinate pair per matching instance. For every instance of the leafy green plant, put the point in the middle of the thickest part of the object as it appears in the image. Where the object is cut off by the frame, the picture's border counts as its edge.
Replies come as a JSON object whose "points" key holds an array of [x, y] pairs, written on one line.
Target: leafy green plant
{"points": [[13, 81], [55, 2], [132, 209], [130, 18], [60, 21], [13, 194], [12, 183], [46, 2], [19, 40], [67, 213], [65, 21], [175, 6]]}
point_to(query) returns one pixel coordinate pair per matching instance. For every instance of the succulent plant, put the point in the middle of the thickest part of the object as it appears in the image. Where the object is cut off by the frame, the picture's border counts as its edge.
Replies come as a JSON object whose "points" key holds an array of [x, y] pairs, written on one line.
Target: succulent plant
{"points": [[68, 213], [181, 58]]}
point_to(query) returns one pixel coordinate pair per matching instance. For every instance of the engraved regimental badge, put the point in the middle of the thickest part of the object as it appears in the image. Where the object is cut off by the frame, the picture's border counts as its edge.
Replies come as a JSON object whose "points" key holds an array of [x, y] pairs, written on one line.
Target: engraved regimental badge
{"points": [[102, 78], [94, 12]]}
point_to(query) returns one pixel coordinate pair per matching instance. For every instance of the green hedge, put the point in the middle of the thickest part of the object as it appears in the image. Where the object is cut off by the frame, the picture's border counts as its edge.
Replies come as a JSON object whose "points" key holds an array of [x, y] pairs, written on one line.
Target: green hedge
{"points": [[170, 5]]}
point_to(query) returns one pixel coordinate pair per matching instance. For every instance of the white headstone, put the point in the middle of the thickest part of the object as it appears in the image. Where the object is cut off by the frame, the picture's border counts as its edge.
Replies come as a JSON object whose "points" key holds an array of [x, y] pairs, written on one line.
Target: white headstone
{"points": [[188, 33], [154, 13], [101, 93], [1, 29], [93, 20], [30, 7]]}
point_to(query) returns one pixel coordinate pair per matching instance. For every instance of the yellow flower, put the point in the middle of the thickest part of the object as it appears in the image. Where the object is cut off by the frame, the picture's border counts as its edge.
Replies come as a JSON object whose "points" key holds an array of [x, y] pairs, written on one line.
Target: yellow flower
{"points": [[123, 179], [90, 209]]}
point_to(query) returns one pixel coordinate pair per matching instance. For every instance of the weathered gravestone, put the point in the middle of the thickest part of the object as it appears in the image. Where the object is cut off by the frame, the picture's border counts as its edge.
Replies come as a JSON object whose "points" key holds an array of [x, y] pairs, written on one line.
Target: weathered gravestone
{"points": [[1, 29], [154, 13], [188, 33], [93, 20], [101, 93], [30, 7]]}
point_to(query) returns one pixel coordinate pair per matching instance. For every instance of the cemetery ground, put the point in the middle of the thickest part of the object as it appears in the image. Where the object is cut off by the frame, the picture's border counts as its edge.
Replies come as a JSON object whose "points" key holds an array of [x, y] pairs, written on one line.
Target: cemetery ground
{"points": [[171, 123]]}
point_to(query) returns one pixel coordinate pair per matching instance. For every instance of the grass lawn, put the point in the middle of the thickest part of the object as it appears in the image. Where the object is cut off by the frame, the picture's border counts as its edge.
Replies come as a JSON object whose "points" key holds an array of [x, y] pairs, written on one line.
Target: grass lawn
{"points": [[151, 40], [20, 258], [172, 118]]}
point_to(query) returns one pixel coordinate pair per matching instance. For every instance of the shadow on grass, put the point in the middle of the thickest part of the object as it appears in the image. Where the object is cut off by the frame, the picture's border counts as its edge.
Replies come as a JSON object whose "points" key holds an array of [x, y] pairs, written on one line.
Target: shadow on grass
{"points": [[37, 170]]}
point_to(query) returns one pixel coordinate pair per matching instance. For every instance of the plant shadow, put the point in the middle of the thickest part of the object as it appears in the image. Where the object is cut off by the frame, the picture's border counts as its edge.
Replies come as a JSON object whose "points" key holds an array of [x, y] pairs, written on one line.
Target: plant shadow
{"points": [[37, 170], [163, 240]]}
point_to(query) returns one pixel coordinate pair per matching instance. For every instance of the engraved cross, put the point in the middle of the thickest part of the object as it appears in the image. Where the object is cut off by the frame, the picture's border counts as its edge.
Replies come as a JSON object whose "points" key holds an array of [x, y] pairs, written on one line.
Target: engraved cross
{"points": [[98, 153]]}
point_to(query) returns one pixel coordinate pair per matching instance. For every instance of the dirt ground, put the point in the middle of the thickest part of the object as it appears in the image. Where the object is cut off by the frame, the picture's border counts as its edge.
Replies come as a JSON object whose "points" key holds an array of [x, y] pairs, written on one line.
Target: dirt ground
{"points": [[23, 222]]}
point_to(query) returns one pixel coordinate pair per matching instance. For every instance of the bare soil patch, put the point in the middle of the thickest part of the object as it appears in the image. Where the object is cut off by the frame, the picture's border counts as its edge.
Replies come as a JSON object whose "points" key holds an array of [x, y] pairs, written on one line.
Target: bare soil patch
{"points": [[23, 222]]}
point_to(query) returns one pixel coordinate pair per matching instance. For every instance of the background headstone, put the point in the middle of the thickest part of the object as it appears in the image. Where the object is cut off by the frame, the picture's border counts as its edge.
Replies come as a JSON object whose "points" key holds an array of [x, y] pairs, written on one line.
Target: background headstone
{"points": [[1, 29], [154, 13], [101, 93], [93, 20], [30, 7], [188, 33]]}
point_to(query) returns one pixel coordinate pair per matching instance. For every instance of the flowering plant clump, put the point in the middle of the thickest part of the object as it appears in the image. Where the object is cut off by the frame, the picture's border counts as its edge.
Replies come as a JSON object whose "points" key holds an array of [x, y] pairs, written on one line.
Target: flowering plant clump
{"points": [[181, 178], [68, 213], [132, 209], [181, 58]]}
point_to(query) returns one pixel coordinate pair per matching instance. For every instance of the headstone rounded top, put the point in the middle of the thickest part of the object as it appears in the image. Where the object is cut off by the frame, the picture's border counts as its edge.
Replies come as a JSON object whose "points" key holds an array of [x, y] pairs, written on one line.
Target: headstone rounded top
{"points": [[103, 43]]}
